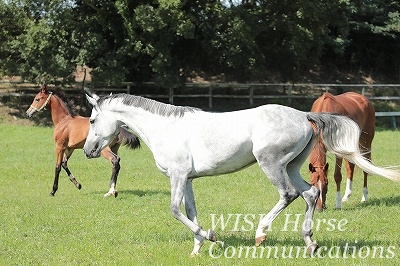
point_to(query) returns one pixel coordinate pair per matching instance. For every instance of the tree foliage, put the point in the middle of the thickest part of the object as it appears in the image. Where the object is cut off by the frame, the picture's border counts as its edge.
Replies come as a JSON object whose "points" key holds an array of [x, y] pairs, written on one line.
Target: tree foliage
{"points": [[166, 40]]}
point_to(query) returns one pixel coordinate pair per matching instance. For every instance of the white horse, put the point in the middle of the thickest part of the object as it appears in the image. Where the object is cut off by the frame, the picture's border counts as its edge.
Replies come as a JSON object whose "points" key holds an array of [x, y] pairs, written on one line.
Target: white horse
{"points": [[187, 143]]}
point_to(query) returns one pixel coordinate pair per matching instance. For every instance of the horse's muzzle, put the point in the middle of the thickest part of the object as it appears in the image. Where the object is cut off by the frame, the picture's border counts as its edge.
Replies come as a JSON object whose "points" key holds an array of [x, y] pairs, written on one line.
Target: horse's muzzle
{"points": [[30, 112], [92, 153]]}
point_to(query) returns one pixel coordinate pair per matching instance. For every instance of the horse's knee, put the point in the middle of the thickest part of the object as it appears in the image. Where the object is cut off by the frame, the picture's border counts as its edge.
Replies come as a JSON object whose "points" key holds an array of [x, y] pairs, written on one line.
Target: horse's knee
{"points": [[311, 195], [115, 162], [175, 210], [290, 195], [57, 169]]}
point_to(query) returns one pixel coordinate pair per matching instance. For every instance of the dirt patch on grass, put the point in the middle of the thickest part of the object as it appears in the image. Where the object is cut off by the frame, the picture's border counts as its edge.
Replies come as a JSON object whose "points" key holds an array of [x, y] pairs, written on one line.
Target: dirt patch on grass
{"points": [[13, 116]]}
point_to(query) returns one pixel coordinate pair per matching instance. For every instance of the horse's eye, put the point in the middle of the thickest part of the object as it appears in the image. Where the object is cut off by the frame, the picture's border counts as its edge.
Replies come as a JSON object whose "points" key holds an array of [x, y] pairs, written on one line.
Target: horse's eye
{"points": [[37, 99], [91, 121]]}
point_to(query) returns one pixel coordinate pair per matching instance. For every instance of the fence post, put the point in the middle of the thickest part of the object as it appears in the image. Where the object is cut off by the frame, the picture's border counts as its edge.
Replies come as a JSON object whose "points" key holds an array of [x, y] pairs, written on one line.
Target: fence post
{"points": [[251, 94], [290, 95], [210, 92], [171, 95], [393, 122]]}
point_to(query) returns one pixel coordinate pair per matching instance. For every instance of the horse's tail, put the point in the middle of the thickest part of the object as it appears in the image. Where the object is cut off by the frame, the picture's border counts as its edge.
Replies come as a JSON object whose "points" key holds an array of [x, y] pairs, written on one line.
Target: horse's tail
{"points": [[340, 136], [128, 139]]}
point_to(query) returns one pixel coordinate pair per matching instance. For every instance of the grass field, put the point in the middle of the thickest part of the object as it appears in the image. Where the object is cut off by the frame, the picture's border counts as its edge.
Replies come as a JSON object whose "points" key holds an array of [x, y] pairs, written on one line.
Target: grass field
{"points": [[80, 227]]}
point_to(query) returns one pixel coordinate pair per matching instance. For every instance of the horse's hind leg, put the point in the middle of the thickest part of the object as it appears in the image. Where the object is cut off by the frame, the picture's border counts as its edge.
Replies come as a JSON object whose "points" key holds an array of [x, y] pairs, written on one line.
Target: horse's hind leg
{"points": [[310, 195], [285, 175], [114, 160], [64, 164], [279, 178], [349, 181], [365, 147]]}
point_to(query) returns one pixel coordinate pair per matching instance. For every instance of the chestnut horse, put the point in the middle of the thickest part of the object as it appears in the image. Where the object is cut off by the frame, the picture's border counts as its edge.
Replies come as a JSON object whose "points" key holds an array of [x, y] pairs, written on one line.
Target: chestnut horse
{"points": [[70, 132], [359, 109]]}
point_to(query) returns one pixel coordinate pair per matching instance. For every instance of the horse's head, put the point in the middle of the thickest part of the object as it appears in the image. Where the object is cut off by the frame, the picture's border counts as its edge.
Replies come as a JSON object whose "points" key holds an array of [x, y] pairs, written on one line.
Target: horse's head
{"points": [[319, 179], [103, 129], [40, 101]]}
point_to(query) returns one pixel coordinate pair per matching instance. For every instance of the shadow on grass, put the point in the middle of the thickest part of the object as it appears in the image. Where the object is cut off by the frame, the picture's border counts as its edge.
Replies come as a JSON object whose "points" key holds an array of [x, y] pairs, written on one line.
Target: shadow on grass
{"points": [[351, 206], [139, 193], [386, 201]]}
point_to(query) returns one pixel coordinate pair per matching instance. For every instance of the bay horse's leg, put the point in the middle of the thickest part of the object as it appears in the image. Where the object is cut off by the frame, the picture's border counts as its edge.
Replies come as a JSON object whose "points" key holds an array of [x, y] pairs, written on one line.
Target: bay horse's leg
{"points": [[62, 156], [59, 156], [178, 190], [114, 159], [364, 197], [338, 179], [191, 213], [349, 180], [365, 147], [67, 154], [56, 176]]}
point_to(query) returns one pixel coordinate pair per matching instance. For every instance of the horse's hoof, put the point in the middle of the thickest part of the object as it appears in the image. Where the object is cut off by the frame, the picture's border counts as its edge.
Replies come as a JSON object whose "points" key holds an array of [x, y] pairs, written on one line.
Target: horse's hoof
{"points": [[52, 194], [193, 255], [311, 248], [79, 186], [115, 194], [211, 235], [259, 240]]}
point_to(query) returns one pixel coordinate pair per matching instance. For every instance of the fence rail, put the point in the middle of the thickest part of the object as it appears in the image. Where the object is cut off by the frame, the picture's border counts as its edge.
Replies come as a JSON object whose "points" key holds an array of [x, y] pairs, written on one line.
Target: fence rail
{"points": [[248, 91]]}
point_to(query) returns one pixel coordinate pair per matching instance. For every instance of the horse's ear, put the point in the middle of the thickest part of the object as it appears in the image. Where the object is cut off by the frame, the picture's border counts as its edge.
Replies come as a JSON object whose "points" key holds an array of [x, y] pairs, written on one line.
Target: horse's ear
{"points": [[326, 167], [91, 100], [91, 93], [43, 88], [311, 168]]}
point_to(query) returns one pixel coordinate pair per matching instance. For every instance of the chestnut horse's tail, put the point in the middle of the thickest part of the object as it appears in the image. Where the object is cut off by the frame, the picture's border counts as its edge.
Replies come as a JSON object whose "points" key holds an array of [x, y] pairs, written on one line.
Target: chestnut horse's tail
{"points": [[340, 136], [128, 139]]}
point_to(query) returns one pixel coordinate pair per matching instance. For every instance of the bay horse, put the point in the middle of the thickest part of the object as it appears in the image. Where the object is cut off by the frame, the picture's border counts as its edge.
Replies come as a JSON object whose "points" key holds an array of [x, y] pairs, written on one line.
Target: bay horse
{"points": [[70, 132], [359, 109], [188, 143]]}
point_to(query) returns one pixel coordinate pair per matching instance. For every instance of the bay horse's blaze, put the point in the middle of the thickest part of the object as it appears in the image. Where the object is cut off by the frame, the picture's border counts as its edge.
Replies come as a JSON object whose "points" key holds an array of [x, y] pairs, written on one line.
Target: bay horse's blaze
{"points": [[70, 132], [359, 109]]}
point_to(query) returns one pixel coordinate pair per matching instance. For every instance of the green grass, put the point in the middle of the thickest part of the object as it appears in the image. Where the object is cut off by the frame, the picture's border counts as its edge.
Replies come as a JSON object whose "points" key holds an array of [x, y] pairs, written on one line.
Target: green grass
{"points": [[80, 227]]}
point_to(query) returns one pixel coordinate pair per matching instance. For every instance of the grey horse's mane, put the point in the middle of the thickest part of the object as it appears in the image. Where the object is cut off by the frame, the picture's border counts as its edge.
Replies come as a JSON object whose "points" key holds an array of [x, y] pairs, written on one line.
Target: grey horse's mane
{"points": [[150, 105]]}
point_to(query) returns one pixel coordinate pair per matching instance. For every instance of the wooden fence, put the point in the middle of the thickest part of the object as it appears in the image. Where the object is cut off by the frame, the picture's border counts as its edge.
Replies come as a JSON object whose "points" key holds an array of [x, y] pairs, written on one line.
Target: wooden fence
{"points": [[250, 92]]}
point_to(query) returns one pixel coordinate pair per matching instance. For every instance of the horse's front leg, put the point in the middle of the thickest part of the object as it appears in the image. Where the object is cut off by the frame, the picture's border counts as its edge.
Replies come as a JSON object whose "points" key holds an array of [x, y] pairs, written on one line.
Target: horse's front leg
{"points": [[56, 176], [67, 154], [179, 188], [191, 212], [59, 156], [338, 179], [114, 159]]}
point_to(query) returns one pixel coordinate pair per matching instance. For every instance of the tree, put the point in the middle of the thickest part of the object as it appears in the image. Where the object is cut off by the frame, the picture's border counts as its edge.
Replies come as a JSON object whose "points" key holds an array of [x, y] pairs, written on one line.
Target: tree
{"points": [[165, 40], [375, 34], [11, 26], [39, 50]]}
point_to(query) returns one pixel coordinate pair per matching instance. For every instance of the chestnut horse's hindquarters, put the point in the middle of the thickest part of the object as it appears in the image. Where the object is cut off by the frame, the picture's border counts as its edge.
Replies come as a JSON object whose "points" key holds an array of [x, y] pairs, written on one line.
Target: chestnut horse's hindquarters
{"points": [[340, 136]]}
